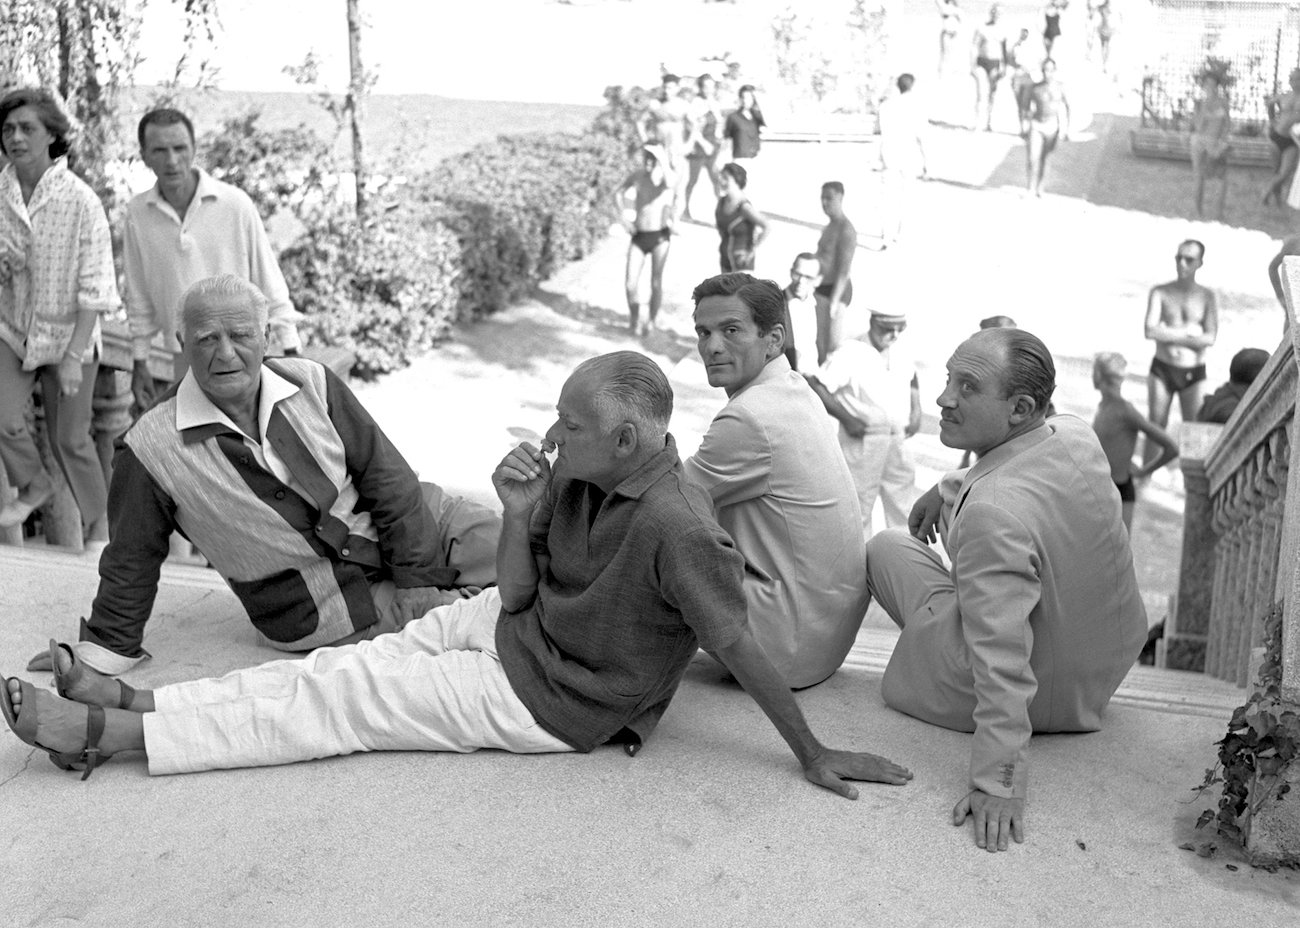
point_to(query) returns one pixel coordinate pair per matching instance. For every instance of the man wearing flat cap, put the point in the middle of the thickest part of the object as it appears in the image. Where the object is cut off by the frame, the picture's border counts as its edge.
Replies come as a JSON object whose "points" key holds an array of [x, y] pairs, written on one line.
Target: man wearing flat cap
{"points": [[870, 386]]}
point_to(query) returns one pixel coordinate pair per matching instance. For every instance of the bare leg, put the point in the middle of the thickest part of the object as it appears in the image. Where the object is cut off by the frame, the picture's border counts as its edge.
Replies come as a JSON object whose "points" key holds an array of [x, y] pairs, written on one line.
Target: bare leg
{"points": [[1282, 179], [694, 166], [1158, 402], [658, 259], [1223, 194], [1033, 151], [1189, 401], [823, 308], [635, 262], [1198, 167], [1126, 513]]}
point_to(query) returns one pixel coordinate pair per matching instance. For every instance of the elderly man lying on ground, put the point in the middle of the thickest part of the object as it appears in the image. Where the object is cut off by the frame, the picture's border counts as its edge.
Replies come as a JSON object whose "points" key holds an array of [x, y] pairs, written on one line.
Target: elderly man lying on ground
{"points": [[1039, 619], [612, 571], [279, 476]]}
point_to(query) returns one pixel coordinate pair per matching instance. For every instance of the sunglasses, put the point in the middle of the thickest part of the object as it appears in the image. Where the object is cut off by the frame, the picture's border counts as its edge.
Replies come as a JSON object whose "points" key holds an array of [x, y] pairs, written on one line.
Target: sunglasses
{"points": [[1185, 259]]}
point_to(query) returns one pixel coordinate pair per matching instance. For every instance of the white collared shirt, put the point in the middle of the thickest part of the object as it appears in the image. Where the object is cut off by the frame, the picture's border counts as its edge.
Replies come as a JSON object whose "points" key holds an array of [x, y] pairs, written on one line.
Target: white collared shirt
{"points": [[193, 408]]}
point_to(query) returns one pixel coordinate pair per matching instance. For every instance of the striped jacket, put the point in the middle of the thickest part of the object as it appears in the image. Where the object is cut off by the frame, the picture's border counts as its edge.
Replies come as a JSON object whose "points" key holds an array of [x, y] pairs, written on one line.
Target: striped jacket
{"points": [[300, 565]]}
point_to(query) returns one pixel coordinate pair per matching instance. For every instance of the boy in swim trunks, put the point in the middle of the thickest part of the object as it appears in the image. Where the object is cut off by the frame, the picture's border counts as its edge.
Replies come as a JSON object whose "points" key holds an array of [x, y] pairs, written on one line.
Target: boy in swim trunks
{"points": [[989, 44], [650, 229], [1183, 320], [835, 251], [1117, 425]]}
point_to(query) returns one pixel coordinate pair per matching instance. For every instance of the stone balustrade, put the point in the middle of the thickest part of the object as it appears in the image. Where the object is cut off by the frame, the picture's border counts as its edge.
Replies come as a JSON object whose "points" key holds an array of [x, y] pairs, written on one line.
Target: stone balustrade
{"points": [[1241, 549]]}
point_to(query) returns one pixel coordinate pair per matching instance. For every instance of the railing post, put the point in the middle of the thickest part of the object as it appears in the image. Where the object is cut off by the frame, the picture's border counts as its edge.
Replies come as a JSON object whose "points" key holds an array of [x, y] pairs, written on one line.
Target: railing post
{"points": [[1185, 636]]}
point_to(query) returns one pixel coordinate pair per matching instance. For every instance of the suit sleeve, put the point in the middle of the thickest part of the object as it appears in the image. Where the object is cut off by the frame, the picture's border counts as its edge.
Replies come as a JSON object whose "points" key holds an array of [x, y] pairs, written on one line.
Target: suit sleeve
{"points": [[734, 462], [997, 572], [388, 489], [142, 518]]}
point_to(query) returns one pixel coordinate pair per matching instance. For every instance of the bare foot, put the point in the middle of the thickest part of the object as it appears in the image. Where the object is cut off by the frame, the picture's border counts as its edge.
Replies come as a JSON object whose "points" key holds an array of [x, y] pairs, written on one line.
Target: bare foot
{"points": [[61, 725]]}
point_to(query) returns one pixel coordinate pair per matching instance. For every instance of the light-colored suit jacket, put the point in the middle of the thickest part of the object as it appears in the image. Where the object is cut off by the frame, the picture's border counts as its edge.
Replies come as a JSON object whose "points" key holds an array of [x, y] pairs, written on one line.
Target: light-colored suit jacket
{"points": [[1050, 615], [781, 489]]}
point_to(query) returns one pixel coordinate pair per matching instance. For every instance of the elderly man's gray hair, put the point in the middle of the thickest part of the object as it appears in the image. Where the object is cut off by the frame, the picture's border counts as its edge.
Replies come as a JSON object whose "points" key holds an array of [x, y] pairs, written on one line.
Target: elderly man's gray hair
{"points": [[632, 389], [225, 285]]}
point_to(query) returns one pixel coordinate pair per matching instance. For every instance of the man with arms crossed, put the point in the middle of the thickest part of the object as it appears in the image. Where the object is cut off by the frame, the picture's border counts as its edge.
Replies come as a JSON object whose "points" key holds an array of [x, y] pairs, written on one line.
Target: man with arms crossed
{"points": [[651, 230], [284, 482], [1183, 320], [186, 227], [612, 572], [779, 484], [835, 250], [1039, 618]]}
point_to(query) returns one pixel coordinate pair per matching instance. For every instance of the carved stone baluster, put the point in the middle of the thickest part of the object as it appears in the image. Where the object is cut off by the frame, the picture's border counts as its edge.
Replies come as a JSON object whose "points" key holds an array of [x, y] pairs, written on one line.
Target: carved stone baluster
{"points": [[1187, 633], [1219, 592]]}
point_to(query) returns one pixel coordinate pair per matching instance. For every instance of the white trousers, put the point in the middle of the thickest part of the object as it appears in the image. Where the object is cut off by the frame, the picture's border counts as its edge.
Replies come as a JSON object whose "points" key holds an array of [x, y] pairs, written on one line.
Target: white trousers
{"points": [[883, 469], [437, 685]]}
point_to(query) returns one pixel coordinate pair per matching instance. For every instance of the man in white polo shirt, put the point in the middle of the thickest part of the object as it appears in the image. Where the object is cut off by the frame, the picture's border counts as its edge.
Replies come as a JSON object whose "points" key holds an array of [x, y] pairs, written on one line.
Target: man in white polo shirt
{"points": [[187, 227], [871, 387]]}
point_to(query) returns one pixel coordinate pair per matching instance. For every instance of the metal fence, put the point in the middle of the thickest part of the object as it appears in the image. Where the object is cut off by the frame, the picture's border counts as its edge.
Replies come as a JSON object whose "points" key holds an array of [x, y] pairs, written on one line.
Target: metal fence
{"points": [[1254, 42]]}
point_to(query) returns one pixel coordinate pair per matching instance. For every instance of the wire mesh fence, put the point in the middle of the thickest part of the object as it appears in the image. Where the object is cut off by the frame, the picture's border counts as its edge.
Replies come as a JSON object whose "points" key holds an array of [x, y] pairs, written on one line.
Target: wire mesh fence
{"points": [[1252, 45]]}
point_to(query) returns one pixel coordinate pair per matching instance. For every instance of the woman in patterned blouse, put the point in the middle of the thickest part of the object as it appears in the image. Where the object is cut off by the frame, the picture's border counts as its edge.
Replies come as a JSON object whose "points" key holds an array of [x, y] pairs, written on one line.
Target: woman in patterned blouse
{"points": [[56, 278]]}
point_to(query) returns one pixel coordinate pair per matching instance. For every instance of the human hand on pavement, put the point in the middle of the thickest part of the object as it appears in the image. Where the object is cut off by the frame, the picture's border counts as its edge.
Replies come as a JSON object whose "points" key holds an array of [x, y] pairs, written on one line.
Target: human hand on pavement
{"points": [[996, 819], [831, 769], [522, 477], [923, 520]]}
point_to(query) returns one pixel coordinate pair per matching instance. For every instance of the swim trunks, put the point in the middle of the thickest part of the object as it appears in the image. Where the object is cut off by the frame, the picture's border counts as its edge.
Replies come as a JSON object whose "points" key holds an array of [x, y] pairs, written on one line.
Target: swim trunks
{"points": [[827, 289], [1175, 378], [649, 241], [1127, 494], [1283, 142], [991, 66]]}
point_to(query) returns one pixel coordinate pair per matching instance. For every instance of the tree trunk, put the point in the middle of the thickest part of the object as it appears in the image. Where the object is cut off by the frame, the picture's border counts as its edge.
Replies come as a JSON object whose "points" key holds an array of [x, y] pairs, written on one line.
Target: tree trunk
{"points": [[356, 95]]}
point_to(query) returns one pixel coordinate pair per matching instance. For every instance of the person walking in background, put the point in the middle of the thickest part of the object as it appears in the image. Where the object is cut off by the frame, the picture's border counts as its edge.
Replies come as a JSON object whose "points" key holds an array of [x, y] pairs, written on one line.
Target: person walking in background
{"points": [[1118, 424], [1284, 113], [989, 44], [949, 29], [1052, 23], [56, 280], [740, 226], [1209, 145], [706, 149], [1049, 123], [903, 128], [744, 127], [651, 229]]}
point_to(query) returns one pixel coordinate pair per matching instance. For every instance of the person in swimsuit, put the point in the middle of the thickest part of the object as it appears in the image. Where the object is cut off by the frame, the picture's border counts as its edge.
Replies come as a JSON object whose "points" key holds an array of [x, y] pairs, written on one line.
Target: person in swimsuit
{"points": [[1209, 140], [990, 47], [835, 250], [1048, 113], [1183, 320], [1285, 113], [1118, 424], [1052, 23], [651, 230], [949, 27], [667, 123], [740, 226]]}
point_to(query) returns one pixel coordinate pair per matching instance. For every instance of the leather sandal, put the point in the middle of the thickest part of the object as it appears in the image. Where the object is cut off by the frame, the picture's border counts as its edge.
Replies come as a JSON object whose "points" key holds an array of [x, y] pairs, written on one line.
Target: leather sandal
{"points": [[24, 726], [72, 676]]}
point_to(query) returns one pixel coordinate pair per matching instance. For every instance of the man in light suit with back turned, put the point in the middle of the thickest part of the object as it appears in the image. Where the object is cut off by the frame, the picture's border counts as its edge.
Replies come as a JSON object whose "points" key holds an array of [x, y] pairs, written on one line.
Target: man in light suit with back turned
{"points": [[1039, 619]]}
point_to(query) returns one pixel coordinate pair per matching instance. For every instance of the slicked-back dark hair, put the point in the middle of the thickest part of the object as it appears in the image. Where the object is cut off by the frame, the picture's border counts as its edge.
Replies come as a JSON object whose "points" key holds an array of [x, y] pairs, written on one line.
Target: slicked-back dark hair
{"points": [[1029, 365], [764, 298]]}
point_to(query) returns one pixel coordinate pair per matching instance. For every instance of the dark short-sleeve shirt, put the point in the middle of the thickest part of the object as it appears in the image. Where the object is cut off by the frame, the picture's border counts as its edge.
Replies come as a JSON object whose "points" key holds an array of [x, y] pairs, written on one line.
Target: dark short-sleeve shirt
{"points": [[744, 133], [631, 584]]}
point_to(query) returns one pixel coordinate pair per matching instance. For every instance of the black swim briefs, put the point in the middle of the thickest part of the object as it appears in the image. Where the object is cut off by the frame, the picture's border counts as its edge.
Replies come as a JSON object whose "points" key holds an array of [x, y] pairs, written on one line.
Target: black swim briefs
{"points": [[649, 241], [825, 290], [1175, 378], [1127, 494]]}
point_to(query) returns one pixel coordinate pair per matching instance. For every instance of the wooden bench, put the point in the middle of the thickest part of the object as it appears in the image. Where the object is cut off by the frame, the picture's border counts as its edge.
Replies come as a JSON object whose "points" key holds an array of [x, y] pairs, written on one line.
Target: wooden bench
{"points": [[1246, 151]]}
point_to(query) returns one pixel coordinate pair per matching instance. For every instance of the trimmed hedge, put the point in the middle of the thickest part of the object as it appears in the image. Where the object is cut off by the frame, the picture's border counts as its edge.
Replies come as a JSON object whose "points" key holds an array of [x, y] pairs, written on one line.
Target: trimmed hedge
{"points": [[468, 238]]}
